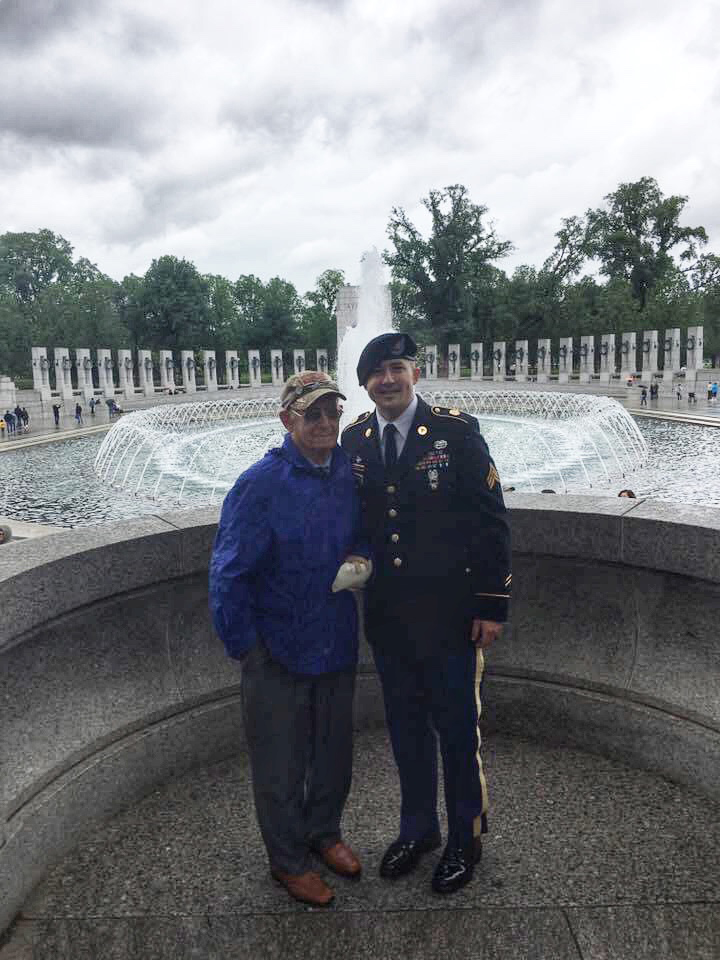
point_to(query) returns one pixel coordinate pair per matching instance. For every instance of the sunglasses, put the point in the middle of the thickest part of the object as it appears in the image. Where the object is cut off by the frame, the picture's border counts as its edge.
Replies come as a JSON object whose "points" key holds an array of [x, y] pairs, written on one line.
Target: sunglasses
{"points": [[315, 414]]}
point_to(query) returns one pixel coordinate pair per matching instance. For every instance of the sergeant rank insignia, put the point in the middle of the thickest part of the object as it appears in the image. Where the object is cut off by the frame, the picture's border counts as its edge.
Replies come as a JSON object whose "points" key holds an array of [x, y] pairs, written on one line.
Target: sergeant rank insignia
{"points": [[493, 477]]}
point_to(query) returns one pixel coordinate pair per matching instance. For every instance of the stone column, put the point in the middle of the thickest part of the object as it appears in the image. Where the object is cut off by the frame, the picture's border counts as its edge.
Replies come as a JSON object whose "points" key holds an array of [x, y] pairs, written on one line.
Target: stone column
{"points": [[607, 357], [232, 372], [167, 370], [476, 361], [187, 359], [498, 360], [672, 350], [521, 360], [628, 355], [41, 372], [649, 355], [298, 361], [565, 354], [254, 369], [8, 401], [544, 360], [346, 311], [125, 374], [431, 358], [694, 360], [63, 378], [277, 367], [321, 361], [211, 383], [106, 381], [145, 373], [453, 361], [587, 358], [83, 365]]}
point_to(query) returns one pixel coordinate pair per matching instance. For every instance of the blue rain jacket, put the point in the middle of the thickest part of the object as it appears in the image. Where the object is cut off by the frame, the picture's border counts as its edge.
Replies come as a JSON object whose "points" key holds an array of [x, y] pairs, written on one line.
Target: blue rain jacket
{"points": [[284, 530]]}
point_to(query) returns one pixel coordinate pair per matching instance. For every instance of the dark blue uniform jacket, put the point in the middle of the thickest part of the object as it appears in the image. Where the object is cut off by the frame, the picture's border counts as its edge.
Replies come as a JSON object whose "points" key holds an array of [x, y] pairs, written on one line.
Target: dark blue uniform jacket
{"points": [[284, 530]]}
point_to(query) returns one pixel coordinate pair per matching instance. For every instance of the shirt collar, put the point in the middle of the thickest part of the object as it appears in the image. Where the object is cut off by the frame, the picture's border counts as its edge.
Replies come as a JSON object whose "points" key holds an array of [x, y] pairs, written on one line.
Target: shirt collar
{"points": [[403, 422]]}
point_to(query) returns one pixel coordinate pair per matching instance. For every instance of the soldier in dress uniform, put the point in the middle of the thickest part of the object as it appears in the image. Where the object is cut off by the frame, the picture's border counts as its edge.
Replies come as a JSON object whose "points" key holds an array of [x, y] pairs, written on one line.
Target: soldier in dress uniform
{"points": [[434, 514]]}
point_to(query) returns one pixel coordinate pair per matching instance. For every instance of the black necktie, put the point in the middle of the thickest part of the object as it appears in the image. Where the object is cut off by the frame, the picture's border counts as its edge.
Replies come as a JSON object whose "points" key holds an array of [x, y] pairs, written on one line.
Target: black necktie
{"points": [[390, 448]]}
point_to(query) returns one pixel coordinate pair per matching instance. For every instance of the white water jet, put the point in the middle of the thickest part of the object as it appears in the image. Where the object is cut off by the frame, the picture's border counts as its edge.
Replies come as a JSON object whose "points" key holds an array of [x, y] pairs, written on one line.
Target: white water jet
{"points": [[374, 316]]}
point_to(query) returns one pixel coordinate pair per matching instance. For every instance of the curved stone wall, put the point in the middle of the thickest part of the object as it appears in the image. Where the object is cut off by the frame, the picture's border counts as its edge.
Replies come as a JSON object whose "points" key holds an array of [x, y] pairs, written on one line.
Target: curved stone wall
{"points": [[112, 681]]}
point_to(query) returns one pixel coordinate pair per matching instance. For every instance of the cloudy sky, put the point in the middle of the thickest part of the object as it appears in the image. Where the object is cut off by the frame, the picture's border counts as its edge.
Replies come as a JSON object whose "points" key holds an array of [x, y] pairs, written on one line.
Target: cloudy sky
{"points": [[274, 137]]}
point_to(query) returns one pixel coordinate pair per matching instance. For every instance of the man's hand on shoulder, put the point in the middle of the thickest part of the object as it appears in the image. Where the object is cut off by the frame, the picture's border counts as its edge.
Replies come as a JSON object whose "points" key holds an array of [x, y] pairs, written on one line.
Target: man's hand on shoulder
{"points": [[485, 632]]}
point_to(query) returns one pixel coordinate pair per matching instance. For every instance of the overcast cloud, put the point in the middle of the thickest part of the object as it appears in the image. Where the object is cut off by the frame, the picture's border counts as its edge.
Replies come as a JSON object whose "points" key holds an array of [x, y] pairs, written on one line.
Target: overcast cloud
{"points": [[274, 138]]}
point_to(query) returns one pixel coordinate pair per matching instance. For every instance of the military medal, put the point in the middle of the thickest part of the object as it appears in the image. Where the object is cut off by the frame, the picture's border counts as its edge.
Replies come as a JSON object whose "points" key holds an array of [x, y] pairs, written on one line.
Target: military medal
{"points": [[422, 431], [440, 444], [433, 479]]}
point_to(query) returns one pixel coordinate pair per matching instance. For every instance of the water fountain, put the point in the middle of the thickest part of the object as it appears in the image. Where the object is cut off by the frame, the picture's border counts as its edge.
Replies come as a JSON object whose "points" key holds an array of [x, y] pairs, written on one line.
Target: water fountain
{"points": [[193, 452]]}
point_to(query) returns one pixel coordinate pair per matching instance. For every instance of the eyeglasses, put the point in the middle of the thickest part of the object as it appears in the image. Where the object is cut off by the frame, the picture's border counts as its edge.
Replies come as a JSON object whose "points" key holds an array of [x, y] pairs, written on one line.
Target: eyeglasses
{"points": [[315, 414]]}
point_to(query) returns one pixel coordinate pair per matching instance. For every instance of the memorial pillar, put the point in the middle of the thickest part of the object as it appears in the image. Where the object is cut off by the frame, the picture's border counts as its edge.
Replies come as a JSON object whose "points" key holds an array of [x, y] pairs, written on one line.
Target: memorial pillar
{"points": [[125, 374], [167, 370], [544, 360], [565, 354], [607, 357], [671, 360], [210, 362], [321, 361], [83, 365], [476, 361], [232, 372], [277, 367], [521, 361], [41, 372], [431, 357], [454, 361], [499, 360], [649, 355], [63, 378], [145, 373], [628, 355], [106, 383], [187, 360], [299, 361], [587, 358], [254, 368], [694, 360]]}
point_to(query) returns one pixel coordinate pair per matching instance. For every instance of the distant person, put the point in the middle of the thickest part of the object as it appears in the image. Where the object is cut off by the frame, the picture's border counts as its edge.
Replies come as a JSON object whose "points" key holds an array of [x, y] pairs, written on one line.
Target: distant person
{"points": [[56, 414], [627, 493], [679, 392], [10, 421], [2, 426], [25, 417], [5, 533], [691, 395], [78, 414], [91, 404], [709, 390], [714, 391], [643, 397]]}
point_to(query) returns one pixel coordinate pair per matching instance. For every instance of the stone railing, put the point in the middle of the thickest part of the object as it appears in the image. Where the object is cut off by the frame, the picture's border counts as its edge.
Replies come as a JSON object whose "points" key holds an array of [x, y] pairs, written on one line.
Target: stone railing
{"points": [[112, 682]]}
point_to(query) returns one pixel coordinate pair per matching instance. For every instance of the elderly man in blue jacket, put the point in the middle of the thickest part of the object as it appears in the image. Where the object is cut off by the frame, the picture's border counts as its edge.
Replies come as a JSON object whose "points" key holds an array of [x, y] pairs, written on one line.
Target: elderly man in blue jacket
{"points": [[287, 527]]}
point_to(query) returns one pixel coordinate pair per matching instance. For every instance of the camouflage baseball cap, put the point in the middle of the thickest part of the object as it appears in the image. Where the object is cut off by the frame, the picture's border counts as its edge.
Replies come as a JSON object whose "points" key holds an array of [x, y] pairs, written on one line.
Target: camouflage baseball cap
{"points": [[303, 389]]}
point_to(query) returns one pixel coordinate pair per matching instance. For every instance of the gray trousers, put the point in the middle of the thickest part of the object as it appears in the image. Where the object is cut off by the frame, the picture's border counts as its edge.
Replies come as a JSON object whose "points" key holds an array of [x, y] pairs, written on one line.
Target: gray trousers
{"points": [[299, 736]]}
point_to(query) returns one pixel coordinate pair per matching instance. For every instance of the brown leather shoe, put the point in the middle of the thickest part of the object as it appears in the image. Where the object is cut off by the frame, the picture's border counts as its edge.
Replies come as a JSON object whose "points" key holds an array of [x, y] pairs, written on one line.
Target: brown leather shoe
{"points": [[341, 859], [307, 887]]}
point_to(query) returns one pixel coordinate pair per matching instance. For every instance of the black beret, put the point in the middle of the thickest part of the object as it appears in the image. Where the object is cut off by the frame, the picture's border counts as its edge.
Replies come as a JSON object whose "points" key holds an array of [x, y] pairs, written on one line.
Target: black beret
{"points": [[388, 346]]}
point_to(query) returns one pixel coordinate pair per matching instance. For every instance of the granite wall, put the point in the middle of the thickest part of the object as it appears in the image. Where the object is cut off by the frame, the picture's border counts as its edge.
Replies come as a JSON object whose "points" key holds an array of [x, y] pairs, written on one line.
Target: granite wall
{"points": [[111, 680]]}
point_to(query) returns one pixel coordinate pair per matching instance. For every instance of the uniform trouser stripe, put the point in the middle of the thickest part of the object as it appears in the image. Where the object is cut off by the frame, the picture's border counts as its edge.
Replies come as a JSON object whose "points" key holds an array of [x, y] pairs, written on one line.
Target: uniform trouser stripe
{"points": [[478, 823]]}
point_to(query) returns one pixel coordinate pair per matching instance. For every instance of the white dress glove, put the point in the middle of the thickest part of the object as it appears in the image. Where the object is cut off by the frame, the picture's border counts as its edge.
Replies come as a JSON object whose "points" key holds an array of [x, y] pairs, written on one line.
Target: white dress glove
{"points": [[352, 576]]}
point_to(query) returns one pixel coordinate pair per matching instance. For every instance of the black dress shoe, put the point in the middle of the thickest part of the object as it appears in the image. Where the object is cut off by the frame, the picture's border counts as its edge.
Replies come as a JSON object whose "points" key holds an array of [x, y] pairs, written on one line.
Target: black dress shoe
{"points": [[404, 855], [456, 867]]}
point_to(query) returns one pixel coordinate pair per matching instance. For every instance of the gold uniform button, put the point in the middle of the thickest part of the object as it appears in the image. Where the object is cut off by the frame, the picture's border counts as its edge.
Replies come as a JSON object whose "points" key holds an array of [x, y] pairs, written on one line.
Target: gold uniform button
{"points": [[391, 489], [468, 570], [395, 538], [397, 562], [392, 513]]}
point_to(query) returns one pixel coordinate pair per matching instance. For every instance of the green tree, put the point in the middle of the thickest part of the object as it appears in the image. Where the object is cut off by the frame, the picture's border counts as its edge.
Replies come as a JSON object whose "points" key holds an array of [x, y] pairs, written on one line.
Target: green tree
{"points": [[318, 326], [446, 271], [176, 305], [223, 313], [639, 234]]}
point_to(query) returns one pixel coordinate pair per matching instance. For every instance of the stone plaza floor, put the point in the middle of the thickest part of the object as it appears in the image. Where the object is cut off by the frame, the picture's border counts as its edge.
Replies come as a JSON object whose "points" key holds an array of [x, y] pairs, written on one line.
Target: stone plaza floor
{"points": [[586, 859]]}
